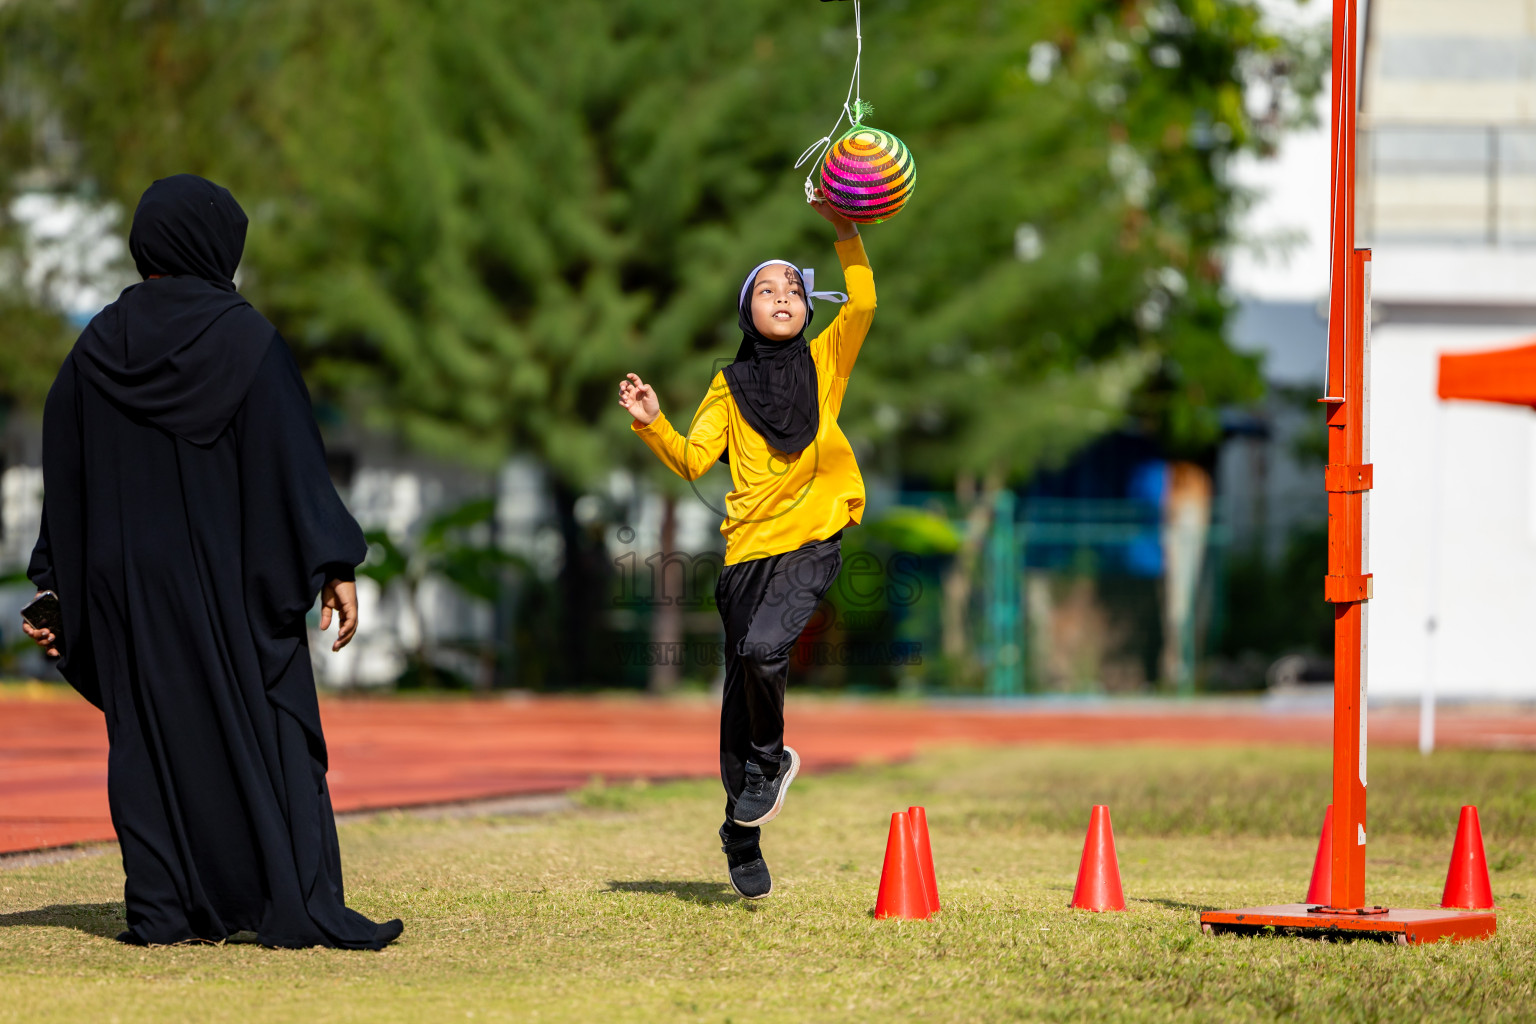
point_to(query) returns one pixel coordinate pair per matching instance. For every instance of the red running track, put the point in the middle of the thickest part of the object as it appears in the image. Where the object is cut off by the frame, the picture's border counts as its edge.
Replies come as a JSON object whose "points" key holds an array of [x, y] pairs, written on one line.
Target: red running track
{"points": [[406, 752]]}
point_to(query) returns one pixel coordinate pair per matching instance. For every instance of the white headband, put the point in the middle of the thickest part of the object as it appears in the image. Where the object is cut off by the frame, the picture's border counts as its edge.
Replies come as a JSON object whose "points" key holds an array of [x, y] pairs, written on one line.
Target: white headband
{"points": [[808, 275]]}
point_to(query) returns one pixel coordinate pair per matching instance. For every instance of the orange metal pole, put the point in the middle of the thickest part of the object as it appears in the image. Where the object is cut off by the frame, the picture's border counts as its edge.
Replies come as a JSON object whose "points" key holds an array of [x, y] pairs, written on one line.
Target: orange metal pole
{"points": [[1348, 478], [1349, 586]]}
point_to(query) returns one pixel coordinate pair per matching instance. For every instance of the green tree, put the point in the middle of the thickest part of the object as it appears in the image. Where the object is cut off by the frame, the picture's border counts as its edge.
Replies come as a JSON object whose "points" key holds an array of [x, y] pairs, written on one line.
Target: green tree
{"points": [[470, 218]]}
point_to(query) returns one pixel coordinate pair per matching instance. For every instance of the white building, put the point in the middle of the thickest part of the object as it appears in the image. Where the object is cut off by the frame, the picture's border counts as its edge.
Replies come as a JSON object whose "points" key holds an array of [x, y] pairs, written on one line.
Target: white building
{"points": [[1447, 200]]}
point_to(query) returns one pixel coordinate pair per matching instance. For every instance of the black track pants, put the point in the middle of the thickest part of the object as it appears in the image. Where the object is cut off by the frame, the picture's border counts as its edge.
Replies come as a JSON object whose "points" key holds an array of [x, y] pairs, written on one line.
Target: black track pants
{"points": [[764, 603]]}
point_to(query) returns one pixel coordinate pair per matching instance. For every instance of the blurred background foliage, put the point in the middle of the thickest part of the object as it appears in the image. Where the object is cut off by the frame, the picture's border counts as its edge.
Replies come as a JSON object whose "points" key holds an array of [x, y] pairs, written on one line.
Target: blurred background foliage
{"points": [[470, 218]]}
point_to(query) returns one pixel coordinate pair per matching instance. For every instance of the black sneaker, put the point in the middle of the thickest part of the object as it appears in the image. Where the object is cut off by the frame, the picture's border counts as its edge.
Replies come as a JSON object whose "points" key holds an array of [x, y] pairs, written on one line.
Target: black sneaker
{"points": [[762, 798], [749, 873]]}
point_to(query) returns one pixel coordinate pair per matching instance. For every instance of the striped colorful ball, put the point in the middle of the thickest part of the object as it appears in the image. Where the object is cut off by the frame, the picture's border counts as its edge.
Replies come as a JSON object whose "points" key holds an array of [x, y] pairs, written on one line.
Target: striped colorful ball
{"points": [[868, 175]]}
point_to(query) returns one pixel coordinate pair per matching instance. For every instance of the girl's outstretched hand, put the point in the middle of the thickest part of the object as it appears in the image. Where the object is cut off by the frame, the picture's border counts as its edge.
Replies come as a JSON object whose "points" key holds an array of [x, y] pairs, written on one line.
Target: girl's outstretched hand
{"points": [[639, 398], [846, 228]]}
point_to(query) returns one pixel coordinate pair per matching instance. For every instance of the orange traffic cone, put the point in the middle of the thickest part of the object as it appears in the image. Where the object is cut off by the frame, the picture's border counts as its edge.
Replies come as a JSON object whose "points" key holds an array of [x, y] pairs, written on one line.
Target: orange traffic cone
{"points": [[919, 819], [1466, 883], [901, 880], [1322, 865], [1098, 876]]}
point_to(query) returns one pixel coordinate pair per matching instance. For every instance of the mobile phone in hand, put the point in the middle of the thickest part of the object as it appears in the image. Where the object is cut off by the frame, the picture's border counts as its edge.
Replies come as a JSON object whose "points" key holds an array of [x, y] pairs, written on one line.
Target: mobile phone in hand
{"points": [[44, 613]]}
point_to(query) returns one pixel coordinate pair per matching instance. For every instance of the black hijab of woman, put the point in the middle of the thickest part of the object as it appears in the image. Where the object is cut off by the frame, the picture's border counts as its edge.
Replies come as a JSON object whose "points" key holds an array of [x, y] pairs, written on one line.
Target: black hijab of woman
{"points": [[180, 349], [774, 382]]}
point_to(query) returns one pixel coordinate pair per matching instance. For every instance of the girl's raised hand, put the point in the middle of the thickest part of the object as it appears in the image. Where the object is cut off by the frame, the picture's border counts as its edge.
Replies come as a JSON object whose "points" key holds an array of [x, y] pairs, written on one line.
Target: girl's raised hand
{"points": [[846, 228], [639, 398]]}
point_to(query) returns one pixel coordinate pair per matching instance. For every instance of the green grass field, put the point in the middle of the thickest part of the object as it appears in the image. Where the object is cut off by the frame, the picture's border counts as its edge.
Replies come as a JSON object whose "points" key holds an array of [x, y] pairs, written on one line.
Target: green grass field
{"points": [[618, 910]]}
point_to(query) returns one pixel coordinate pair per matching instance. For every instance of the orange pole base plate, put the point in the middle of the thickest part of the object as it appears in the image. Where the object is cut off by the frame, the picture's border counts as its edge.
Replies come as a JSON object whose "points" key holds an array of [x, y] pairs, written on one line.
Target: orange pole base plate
{"points": [[1405, 927]]}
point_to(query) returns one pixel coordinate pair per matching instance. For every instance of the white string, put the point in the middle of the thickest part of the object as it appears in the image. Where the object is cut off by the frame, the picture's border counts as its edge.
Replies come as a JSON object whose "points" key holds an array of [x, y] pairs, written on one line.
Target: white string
{"points": [[858, 57], [855, 94]]}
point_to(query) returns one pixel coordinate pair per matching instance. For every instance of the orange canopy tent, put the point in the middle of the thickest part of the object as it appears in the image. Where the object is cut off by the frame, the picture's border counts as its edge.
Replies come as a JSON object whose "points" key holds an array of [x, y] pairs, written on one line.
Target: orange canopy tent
{"points": [[1505, 375]]}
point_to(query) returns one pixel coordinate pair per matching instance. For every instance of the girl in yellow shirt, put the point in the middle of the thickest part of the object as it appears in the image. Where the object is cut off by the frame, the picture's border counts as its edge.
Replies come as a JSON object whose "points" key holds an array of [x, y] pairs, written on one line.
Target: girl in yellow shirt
{"points": [[773, 414]]}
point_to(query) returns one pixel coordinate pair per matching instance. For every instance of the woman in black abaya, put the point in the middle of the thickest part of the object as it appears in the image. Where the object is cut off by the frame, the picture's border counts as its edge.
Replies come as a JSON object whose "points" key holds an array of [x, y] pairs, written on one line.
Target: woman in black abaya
{"points": [[189, 523]]}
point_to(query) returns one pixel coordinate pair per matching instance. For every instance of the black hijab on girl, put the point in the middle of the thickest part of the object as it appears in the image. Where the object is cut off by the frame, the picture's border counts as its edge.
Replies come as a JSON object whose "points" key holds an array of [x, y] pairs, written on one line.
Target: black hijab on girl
{"points": [[774, 382]]}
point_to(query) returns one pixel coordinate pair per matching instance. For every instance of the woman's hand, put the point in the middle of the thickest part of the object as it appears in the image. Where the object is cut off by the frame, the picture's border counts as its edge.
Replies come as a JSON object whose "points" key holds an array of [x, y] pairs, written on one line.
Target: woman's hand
{"points": [[339, 596], [44, 638], [639, 398], [846, 228]]}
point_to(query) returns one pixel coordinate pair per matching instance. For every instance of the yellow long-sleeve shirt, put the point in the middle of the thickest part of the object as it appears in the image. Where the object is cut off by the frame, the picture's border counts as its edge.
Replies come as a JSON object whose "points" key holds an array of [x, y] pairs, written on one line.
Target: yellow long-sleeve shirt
{"points": [[782, 501]]}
